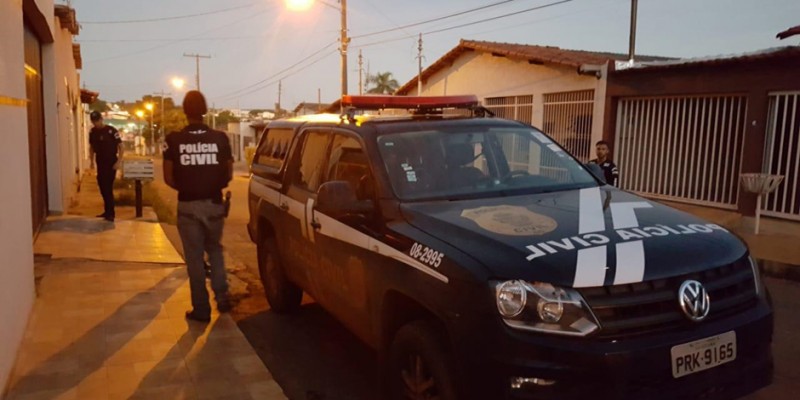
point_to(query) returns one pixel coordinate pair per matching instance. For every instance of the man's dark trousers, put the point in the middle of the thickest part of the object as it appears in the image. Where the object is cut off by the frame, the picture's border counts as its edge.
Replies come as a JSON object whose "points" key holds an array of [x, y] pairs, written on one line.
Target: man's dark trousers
{"points": [[105, 180]]}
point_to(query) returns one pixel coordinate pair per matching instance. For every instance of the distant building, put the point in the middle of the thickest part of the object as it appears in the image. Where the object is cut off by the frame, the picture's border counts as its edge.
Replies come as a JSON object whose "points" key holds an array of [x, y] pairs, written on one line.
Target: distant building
{"points": [[309, 108]]}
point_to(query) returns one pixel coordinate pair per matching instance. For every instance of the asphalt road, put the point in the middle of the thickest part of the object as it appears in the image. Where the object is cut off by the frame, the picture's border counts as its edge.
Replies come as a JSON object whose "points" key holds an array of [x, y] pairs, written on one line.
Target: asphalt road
{"points": [[313, 357]]}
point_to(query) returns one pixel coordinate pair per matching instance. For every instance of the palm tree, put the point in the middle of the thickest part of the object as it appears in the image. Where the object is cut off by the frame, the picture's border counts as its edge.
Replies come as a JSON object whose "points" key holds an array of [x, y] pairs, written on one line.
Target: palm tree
{"points": [[383, 83]]}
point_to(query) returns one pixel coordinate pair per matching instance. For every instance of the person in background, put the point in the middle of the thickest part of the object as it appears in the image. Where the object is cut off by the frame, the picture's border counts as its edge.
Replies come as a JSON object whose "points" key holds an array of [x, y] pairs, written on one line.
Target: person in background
{"points": [[105, 151], [603, 159], [198, 163]]}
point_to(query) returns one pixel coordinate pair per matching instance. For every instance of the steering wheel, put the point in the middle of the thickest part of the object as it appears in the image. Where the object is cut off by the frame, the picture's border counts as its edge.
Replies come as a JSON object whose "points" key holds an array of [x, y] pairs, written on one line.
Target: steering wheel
{"points": [[512, 174]]}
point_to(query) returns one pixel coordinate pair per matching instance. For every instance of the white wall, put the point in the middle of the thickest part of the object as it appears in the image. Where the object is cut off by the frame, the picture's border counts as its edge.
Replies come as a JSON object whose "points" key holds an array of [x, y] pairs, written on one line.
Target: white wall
{"points": [[16, 245], [485, 75], [68, 95]]}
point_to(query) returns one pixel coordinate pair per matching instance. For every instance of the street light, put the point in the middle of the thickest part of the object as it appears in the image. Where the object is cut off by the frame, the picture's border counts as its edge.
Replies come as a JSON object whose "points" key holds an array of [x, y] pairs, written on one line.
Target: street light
{"points": [[302, 5], [178, 83]]}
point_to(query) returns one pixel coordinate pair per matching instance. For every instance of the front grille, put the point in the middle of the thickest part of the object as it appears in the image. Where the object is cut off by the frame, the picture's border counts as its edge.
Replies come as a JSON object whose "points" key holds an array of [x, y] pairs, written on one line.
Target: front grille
{"points": [[652, 306]]}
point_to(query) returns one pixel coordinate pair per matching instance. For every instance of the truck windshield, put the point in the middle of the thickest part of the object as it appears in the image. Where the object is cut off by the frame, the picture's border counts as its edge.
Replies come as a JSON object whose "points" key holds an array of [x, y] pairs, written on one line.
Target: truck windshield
{"points": [[470, 163]]}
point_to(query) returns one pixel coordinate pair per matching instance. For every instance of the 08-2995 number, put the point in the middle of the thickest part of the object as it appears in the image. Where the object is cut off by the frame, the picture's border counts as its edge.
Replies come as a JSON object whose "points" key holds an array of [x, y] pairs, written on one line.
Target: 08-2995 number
{"points": [[426, 254]]}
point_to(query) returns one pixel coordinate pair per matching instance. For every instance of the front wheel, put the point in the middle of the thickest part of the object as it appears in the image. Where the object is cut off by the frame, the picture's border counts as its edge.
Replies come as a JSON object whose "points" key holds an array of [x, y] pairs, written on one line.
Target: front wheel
{"points": [[420, 366], [283, 295]]}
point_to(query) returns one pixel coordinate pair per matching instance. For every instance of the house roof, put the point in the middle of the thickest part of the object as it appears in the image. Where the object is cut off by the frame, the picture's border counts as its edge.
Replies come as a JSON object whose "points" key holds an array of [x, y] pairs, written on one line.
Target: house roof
{"points": [[88, 96], [66, 15], [76, 55], [718, 60], [795, 30], [532, 53], [311, 106]]}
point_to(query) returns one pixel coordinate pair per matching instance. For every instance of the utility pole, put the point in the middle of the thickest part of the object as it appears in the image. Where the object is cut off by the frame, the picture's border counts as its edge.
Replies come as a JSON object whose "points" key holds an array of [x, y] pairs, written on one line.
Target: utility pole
{"points": [[343, 49], [161, 122], [360, 73], [419, 60], [197, 58], [280, 89], [319, 99]]}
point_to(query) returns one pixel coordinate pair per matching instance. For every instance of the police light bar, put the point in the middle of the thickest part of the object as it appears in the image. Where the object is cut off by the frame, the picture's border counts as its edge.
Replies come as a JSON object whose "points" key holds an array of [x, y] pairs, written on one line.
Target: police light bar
{"points": [[378, 102]]}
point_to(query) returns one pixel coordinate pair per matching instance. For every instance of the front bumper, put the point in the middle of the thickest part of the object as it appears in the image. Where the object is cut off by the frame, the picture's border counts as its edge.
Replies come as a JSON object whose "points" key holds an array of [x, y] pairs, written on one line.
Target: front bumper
{"points": [[627, 368]]}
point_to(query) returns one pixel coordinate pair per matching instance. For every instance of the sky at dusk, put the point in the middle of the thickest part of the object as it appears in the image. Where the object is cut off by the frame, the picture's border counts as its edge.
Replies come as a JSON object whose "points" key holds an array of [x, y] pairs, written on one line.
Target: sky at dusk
{"points": [[255, 43]]}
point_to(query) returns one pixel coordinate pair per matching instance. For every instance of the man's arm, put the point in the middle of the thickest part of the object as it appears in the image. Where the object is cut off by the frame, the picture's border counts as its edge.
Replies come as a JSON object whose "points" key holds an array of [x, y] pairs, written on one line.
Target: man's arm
{"points": [[169, 178], [120, 154], [614, 174]]}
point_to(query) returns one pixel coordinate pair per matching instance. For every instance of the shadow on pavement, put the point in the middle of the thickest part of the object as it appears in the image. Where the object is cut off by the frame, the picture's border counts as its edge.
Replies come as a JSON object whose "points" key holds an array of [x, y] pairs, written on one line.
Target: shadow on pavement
{"points": [[71, 365], [312, 356]]}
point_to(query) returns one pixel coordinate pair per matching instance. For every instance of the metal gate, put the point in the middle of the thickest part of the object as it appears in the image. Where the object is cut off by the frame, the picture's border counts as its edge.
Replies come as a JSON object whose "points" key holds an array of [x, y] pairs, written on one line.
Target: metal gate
{"points": [[782, 154], [568, 120], [686, 148], [519, 108]]}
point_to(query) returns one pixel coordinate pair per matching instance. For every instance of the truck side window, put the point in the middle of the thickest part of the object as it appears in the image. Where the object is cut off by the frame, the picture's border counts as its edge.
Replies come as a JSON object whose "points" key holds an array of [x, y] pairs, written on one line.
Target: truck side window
{"points": [[349, 163], [312, 161], [273, 148]]}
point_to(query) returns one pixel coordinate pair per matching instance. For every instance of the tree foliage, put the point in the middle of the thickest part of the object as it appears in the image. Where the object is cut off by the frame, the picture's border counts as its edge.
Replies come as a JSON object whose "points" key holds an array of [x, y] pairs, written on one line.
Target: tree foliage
{"points": [[382, 83]]}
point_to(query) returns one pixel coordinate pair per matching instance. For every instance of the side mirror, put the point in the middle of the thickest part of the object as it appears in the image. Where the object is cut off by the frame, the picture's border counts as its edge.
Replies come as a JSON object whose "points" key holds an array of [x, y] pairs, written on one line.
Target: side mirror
{"points": [[596, 171], [338, 199]]}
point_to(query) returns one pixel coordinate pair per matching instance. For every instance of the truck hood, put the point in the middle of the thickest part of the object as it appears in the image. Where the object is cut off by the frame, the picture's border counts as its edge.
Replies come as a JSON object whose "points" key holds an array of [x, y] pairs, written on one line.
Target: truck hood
{"points": [[577, 238]]}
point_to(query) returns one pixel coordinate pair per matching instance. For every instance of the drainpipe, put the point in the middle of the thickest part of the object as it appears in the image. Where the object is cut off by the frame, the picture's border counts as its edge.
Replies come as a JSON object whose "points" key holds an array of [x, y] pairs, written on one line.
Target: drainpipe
{"points": [[632, 41]]}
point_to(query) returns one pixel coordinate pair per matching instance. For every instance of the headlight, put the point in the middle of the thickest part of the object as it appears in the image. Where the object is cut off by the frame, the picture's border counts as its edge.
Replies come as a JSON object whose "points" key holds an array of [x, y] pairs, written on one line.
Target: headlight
{"points": [[511, 298], [756, 276], [543, 307]]}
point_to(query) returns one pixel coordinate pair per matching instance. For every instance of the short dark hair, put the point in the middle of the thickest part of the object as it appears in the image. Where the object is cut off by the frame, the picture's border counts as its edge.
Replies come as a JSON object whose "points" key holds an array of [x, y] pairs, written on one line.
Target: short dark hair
{"points": [[194, 105], [599, 142]]}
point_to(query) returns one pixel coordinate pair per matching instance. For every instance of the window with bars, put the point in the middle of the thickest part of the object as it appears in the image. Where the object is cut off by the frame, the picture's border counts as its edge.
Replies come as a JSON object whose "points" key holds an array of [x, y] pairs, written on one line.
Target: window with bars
{"points": [[568, 119], [519, 108]]}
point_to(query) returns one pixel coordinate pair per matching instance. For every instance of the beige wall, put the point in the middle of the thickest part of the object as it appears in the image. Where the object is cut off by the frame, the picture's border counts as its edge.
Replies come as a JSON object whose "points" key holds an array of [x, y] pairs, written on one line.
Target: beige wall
{"points": [[485, 75], [16, 247], [62, 147]]}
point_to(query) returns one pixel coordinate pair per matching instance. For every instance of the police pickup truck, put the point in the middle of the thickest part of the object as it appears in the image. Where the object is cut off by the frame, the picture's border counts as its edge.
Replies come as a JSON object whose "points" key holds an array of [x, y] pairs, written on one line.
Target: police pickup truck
{"points": [[483, 261]]}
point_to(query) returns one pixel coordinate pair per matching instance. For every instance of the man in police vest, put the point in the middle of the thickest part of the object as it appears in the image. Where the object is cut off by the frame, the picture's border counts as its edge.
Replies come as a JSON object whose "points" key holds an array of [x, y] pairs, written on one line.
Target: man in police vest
{"points": [[105, 147], [610, 170], [198, 164]]}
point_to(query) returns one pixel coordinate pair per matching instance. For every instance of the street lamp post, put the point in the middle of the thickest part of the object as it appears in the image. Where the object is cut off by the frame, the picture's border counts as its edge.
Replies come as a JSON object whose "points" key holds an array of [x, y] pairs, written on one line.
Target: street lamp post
{"points": [[140, 114], [149, 107]]}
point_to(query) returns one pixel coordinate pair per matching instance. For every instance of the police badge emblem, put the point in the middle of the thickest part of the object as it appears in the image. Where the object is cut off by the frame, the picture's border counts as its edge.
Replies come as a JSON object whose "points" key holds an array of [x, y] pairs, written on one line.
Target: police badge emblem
{"points": [[511, 220]]}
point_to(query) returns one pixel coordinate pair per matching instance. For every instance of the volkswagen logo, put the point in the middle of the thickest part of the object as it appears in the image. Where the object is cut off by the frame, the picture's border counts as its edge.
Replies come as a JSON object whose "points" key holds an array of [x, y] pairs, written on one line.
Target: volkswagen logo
{"points": [[694, 300]]}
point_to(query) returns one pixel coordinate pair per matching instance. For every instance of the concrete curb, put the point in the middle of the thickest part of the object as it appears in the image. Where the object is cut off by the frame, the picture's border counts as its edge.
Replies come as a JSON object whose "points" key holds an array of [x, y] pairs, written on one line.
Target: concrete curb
{"points": [[775, 269]]}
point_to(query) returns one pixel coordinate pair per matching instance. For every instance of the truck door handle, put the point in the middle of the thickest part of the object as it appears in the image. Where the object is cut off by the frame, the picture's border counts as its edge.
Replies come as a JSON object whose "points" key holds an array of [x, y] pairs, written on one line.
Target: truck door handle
{"points": [[316, 225], [284, 206]]}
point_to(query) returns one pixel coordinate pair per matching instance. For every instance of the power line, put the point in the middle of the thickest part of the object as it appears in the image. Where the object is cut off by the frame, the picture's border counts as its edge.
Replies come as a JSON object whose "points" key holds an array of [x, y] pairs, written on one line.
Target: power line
{"points": [[136, 21], [433, 20], [281, 71], [466, 24], [276, 80], [128, 54]]}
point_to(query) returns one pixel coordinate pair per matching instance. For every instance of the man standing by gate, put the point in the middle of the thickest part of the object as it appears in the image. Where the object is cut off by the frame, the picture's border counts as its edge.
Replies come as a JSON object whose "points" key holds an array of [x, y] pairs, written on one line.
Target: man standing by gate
{"points": [[105, 146], [198, 164], [610, 170]]}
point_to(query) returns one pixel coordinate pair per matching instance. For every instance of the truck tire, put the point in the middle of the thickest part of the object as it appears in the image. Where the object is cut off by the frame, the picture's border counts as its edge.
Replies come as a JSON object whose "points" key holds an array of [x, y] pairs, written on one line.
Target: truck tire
{"points": [[420, 366], [283, 296]]}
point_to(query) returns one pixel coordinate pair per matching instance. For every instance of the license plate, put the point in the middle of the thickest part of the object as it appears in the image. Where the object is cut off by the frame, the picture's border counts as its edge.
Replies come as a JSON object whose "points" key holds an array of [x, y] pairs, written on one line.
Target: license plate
{"points": [[703, 354]]}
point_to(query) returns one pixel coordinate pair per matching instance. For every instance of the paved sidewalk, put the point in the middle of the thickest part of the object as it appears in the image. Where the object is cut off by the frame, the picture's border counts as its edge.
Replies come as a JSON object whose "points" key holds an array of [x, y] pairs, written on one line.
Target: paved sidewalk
{"points": [[108, 322], [777, 245]]}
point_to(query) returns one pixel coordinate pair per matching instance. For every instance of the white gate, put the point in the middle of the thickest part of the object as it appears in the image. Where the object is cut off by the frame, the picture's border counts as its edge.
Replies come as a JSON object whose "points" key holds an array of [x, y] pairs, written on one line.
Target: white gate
{"points": [[782, 154], [686, 148], [568, 119]]}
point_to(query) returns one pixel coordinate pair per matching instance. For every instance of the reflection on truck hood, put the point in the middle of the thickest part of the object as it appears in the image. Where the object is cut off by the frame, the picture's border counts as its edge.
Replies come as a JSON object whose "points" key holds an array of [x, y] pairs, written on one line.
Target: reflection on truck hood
{"points": [[577, 238]]}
